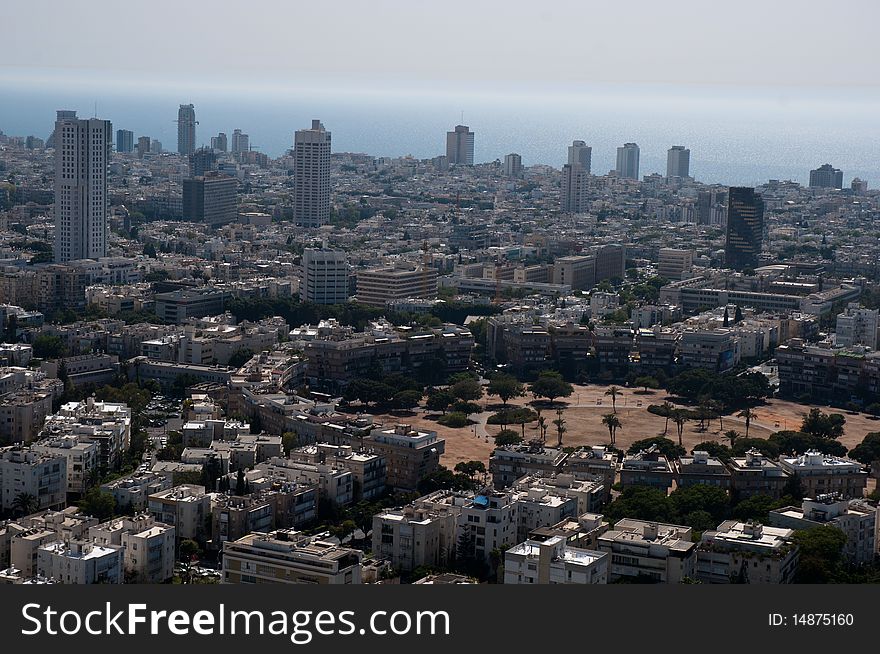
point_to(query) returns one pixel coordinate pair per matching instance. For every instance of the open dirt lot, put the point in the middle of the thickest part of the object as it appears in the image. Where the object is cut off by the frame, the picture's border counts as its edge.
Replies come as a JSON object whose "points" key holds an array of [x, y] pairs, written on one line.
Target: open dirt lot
{"points": [[583, 415]]}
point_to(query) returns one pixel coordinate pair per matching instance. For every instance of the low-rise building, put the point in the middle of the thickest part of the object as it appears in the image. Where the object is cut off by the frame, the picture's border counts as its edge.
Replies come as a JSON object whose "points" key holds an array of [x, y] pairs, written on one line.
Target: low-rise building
{"points": [[511, 462], [647, 468], [748, 553], [554, 561], [79, 562], [26, 473], [288, 557], [700, 468], [756, 474], [186, 507], [820, 474], [659, 552]]}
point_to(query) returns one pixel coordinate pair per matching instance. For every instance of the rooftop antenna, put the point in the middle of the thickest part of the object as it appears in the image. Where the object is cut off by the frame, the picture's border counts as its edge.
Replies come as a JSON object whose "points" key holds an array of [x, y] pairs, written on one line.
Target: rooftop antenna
{"points": [[96, 108], [462, 116]]}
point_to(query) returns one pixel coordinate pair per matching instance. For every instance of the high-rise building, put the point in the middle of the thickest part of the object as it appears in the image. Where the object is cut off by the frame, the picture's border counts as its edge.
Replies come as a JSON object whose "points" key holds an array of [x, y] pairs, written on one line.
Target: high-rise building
{"points": [[745, 228], [580, 153], [826, 176], [859, 186], [628, 161], [460, 146], [311, 162], [219, 142], [82, 157], [573, 195], [325, 277], [210, 199], [143, 145], [156, 146], [240, 142], [512, 165], [124, 140], [710, 207], [202, 161], [678, 162], [186, 129]]}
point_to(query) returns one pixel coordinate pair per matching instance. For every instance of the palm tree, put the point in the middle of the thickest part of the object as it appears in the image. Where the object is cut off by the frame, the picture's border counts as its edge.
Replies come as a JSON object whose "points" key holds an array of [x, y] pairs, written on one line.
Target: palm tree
{"points": [[25, 503], [747, 415], [542, 427], [732, 435], [613, 391], [666, 411], [611, 421], [679, 418], [718, 409], [560, 426]]}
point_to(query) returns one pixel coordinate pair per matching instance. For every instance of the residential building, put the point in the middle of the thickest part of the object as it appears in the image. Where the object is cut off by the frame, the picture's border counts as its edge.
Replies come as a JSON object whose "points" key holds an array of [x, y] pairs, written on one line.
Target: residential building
{"points": [[288, 557], [512, 166], [220, 142], [26, 472], [756, 474], [82, 157], [749, 553], [678, 162], [417, 535], [410, 454], [581, 154], [240, 142], [701, 469], [628, 161], [186, 507], [647, 468], [80, 562], [821, 474], [826, 176], [857, 326], [311, 191], [659, 552], [511, 462], [131, 492], [553, 561], [124, 140]]}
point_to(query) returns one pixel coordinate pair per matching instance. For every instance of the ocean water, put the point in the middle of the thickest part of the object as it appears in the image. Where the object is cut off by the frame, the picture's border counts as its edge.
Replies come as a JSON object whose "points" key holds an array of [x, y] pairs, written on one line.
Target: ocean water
{"points": [[735, 136]]}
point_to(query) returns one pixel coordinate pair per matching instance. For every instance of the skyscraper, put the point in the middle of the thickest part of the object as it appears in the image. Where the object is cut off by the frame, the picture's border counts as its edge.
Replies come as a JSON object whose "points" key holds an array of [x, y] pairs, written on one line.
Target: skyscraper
{"points": [[186, 129], [678, 162], [143, 146], [82, 156], [219, 142], [573, 195], [745, 228], [826, 176], [460, 146], [325, 277], [628, 161], [580, 153], [311, 162], [124, 140], [240, 142], [512, 165]]}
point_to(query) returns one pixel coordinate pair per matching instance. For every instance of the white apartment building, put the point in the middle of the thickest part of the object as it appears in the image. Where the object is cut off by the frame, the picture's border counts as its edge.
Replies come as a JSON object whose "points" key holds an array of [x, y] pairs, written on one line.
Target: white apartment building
{"points": [[132, 491], [658, 551], [149, 546], [857, 326], [82, 157], [749, 553], [820, 474], [185, 507], [573, 195], [24, 471], [553, 561], [80, 562], [82, 456], [311, 190], [416, 536], [106, 424]]}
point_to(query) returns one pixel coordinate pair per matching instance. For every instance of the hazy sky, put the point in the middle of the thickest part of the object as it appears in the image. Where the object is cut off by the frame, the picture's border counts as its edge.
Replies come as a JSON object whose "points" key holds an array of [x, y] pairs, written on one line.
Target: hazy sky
{"points": [[512, 44]]}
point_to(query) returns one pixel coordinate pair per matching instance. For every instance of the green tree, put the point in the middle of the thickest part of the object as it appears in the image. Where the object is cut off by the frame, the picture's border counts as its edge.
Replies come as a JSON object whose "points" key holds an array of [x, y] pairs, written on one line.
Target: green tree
{"points": [[98, 504], [665, 446], [240, 483], [551, 385], [505, 387], [821, 553], [732, 435], [747, 415], [868, 450], [439, 401], [612, 422], [822, 424], [468, 390], [240, 357], [47, 346], [406, 399], [647, 382], [613, 391], [679, 417], [507, 437], [25, 504]]}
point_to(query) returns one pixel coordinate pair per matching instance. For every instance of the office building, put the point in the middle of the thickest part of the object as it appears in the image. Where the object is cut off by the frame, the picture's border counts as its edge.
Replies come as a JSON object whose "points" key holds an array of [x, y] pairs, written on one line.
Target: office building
{"points": [[311, 162], [678, 162], [325, 277], [124, 140], [210, 199], [186, 130], [826, 176], [581, 154], [512, 166], [460, 146], [378, 286], [285, 556], [220, 142], [240, 142], [553, 561], [675, 264], [745, 228], [82, 157], [628, 161], [573, 194]]}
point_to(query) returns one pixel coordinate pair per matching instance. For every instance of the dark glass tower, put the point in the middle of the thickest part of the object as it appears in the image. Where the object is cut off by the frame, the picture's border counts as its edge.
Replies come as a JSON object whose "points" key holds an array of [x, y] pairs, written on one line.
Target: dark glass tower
{"points": [[745, 228]]}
